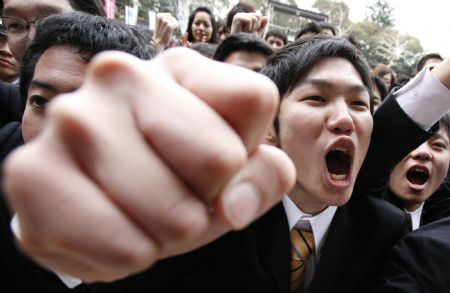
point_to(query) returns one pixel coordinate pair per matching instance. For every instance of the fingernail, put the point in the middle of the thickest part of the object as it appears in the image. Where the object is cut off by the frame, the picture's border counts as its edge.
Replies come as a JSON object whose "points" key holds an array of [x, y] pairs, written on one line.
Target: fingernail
{"points": [[241, 204]]}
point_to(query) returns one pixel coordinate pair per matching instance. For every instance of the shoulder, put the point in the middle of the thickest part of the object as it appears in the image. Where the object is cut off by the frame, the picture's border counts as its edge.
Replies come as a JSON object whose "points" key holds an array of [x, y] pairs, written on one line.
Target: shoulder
{"points": [[378, 217], [10, 103]]}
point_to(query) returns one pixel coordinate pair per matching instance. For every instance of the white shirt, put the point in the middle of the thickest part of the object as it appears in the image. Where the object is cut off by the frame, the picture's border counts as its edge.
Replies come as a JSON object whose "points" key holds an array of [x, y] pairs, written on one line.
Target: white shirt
{"points": [[415, 216], [424, 98]]}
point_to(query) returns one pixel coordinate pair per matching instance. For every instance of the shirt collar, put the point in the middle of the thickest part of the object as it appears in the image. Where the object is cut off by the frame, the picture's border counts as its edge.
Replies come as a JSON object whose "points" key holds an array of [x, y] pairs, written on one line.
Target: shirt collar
{"points": [[415, 216], [319, 223]]}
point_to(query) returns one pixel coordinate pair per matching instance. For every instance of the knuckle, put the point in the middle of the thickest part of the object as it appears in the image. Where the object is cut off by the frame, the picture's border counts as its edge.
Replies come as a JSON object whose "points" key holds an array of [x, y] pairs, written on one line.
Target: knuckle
{"points": [[223, 161], [137, 255], [187, 220]]}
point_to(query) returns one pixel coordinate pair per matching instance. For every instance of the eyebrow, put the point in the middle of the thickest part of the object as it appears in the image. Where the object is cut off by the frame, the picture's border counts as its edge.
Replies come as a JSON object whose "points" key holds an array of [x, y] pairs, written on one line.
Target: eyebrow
{"points": [[42, 84], [330, 86], [440, 136]]}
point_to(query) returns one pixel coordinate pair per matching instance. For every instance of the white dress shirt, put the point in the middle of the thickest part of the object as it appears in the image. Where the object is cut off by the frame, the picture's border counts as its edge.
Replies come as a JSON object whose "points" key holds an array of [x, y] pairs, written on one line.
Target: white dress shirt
{"points": [[416, 216]]}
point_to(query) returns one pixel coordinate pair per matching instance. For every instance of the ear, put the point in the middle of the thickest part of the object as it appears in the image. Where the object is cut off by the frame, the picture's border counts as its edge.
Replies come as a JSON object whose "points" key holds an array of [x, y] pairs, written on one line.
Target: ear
{"points": [[271, 137]]}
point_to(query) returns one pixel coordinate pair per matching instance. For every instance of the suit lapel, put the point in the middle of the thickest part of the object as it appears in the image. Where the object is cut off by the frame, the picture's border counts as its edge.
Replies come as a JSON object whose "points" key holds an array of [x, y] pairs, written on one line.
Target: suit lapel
{"points": [[341, 242], [273, 234]]}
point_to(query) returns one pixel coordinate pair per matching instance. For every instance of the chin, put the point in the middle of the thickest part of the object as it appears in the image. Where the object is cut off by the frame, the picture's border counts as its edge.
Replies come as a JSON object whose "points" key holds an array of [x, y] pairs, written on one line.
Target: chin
{"points": [[338, 199]]}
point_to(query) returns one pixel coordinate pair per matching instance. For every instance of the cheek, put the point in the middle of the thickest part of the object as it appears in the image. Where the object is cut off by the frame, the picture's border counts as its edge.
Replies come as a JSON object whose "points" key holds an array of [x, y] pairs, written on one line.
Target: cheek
{"points": [[299, 132], [17, 45], [396, 179], [364, 132], [443, 166], [32, 124]]}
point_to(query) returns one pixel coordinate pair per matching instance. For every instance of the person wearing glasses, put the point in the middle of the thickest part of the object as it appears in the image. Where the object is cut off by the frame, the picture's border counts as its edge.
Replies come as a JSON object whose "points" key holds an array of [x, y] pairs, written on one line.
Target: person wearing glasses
{"points": [[19, 18], [18, 23]]}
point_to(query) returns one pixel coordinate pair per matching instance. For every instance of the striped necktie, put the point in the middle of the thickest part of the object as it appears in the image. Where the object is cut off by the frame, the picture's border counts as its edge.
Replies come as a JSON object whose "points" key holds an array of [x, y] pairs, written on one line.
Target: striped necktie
{"points": [[302, 245]]}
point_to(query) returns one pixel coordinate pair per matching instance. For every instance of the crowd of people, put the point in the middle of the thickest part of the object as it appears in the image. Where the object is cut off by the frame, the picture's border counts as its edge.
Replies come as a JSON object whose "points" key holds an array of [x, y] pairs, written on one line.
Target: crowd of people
{"points": [[129, 165]]}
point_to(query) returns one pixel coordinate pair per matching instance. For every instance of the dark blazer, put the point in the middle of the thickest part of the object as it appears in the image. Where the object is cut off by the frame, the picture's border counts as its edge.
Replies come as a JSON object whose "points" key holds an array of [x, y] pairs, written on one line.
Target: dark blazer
{"points": [[11, 107], [257, 259], [438, 205], [419, 262]]}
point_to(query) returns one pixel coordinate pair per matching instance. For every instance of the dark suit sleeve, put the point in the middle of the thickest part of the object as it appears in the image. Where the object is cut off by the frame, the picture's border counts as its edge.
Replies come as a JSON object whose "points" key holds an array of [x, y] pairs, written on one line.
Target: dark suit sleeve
{"points": [[394, 136]]}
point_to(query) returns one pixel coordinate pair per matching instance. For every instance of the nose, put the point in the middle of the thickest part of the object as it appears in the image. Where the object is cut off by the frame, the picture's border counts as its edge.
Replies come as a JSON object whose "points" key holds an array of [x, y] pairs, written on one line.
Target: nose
{"points": [[422, 153], [31, 32], [340, 121]]}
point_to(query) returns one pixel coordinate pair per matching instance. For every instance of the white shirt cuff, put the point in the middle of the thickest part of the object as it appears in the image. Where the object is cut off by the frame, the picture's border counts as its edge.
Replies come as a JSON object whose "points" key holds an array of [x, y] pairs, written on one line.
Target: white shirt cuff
{"points": [[424, 98]]}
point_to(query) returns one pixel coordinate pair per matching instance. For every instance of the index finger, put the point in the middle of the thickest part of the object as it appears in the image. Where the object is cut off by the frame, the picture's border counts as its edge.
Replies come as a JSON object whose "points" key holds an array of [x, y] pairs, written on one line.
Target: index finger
{"points": [[248, 106]]}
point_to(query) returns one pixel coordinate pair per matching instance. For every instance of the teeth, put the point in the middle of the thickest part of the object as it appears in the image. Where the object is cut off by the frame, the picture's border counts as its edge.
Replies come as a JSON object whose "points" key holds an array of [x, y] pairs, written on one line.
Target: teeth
{"points": [[340, 149], [338, 177], [418, 170]]}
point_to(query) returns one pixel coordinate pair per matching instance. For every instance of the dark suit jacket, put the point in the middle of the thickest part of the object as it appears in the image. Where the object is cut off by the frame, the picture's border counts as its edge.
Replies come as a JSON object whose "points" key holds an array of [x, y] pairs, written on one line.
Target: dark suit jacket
{"points": [[10, 103], [419, 262], [257, 259]]}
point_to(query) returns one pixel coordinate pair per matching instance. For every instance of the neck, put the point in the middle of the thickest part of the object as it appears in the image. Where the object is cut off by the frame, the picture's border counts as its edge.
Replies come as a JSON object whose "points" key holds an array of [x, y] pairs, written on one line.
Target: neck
{"points": [[305, 202]]}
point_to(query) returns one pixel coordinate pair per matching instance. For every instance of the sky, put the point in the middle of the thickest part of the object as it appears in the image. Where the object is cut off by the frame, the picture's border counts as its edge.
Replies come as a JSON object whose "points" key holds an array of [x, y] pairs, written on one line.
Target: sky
{"points": [[429, 20]]}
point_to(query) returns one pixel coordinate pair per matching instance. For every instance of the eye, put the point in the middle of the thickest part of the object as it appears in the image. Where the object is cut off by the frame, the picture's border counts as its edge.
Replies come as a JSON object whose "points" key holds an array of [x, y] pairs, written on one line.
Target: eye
{"points": [[360, 104], [439, 145], [15, 26], [38, 102], [314, 99]]}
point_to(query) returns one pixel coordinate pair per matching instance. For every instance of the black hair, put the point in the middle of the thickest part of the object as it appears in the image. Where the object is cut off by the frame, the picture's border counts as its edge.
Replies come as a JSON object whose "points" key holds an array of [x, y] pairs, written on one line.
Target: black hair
{"points": [[95, 7], [444, 123], [241, 42], [206, 49], [278, 33], [328, 26], [381, 86], [240, 7], [402, 79], [89, 34], [288, 66], [352, 39], [191, 21], [425, 58], [315, 28], [221, 23]]}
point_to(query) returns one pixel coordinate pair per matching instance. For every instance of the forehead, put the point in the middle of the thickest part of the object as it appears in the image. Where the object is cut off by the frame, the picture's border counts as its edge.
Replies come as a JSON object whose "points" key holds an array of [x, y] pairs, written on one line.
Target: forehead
{"points": [[335, 70], [274, 38], [202, 15], [35, 7], [442, 133], [62, 67]]}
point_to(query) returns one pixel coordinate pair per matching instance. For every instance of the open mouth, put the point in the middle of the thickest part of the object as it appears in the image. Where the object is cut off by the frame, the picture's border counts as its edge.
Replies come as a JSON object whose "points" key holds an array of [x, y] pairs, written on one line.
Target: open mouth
{"points": [[338, 164], [417, 175]]}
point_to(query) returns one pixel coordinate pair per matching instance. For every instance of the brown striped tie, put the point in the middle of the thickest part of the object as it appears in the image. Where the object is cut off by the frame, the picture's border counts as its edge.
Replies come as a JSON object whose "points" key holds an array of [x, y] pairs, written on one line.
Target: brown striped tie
{"points": [[302, 245]]}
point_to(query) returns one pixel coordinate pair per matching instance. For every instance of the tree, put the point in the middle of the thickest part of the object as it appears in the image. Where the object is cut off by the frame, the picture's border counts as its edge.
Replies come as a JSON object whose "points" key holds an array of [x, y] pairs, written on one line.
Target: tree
{"points": [[338, 12], [388, 46], [381, 13]]}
